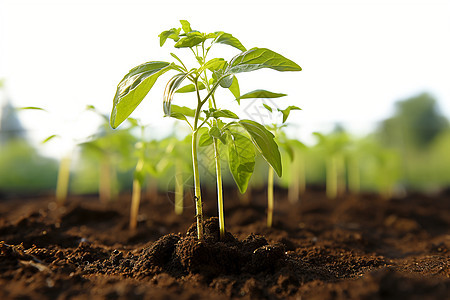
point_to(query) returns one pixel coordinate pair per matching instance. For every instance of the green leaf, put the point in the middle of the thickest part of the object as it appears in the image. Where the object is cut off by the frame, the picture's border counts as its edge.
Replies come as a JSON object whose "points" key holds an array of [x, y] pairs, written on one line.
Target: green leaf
{"points": [[172, 34], [287, 110], [258, 58], [234, 88], [140, 174], [215, 132], [50, 138], [177, 58], [30, 108], [264, 141], [267, 107], [178, 116], [226, 82], [212, 65], [224, 113], [289, 150], [190, 88], [192, 39], [186, 111], [186, 26], [133, 88], [298, 145], [228, 39], [169, 91], [241, 159], [260, 94], [205, 139], [133, 122]]}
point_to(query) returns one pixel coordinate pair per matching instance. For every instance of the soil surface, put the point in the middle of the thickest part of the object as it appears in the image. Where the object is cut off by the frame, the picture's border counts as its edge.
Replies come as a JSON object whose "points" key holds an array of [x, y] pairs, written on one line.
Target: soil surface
{"points": [[354, 247]]}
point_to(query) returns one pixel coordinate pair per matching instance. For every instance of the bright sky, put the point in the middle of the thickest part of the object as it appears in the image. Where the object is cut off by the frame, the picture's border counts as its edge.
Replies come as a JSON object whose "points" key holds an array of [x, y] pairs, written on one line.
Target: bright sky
{"points": [[358, 57]]}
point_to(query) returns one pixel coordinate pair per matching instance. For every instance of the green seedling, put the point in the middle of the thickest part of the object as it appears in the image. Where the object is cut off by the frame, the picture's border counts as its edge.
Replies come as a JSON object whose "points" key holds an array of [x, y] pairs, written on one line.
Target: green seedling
{"points": [[62, 181], [108, 147], [296, 165], [148, 154], [209, 75], [334, 146], [276, 129], [381, 166], [173, 160]]}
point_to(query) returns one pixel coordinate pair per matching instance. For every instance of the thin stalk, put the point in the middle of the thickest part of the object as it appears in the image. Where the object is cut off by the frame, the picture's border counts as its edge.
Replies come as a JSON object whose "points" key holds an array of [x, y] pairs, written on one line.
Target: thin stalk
{"points": [[104, 188], [136, 197], [340, 171], [354, 181], [179, 190], [197, 195], [270, 197], [297, 185], [62, 184], [302, 174], [219, 189], [332, 177], [294, 186]]}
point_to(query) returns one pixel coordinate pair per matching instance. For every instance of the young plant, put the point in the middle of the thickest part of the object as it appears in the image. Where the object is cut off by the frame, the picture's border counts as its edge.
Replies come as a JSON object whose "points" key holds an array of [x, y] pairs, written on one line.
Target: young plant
{"points": [[276, 129], [209, 75], [149, 161], [334, 145], [108, 148], [296, 165], [176, 158], [62, 180]]}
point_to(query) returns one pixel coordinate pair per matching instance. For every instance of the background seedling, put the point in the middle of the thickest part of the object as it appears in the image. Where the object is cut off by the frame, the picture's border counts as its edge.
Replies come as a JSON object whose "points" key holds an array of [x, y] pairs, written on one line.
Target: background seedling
{"points": [[295, 162], [334, 146], [270, 180], [62, 182], [108, 147], [151, 159]]}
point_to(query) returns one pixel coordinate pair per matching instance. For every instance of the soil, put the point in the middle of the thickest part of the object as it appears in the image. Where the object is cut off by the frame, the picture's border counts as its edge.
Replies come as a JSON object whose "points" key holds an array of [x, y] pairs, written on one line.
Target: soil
{"points": [[354, 247]]}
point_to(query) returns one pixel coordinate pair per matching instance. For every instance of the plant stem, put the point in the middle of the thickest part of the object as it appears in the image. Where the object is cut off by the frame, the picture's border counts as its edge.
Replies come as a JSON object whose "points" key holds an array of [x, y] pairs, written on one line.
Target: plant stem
{"points": [[136, 196], [332, 177], [198, 192], [105, 180], [270, 197], [62, 184], [219, 189], [340, 172], [198, 196], [298, 184], [179, 191], [354, 176], [294, 186]]}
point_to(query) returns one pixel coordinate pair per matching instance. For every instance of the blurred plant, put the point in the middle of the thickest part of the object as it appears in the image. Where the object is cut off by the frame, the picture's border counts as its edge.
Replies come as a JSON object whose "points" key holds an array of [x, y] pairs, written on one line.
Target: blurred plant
{"points": [[334, 145], [109, 147], [283, 142], [22, 168], [151, 159], [380, 165], [296, 156], [62, 182]]}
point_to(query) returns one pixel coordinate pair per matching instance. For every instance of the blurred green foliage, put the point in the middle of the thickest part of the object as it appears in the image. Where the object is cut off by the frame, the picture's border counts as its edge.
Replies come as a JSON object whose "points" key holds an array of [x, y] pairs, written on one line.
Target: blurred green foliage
{"points": [[24, 171], [409, 150]]}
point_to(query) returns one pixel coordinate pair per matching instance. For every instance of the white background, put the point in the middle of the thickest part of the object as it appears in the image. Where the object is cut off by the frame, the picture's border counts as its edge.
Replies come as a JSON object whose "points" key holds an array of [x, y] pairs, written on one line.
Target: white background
{"points": [[358, 57]]}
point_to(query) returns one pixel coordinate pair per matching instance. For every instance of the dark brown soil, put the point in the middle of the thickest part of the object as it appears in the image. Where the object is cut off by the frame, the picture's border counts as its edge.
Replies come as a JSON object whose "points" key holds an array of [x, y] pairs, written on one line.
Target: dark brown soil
{"points": [[355, 247]]}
